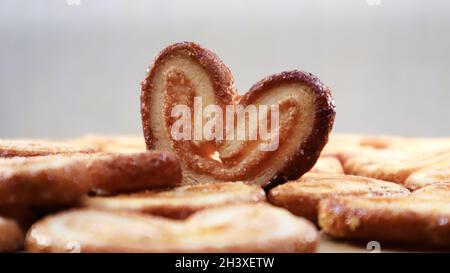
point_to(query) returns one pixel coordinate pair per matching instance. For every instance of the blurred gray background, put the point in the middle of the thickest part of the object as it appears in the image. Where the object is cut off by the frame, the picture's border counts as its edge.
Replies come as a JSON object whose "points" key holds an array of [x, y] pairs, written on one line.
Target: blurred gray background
{"points": [[67, 70]]}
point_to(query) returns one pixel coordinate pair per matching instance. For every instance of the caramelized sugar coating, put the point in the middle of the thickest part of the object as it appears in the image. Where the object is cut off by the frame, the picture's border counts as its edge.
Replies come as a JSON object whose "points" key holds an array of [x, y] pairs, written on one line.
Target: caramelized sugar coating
{"points": [[11, 236], [117, 173], [301, 197], [421, 218], [180, 202], [243, 228], [23, 215], [44, 180], [185, 70], [64, 179]]}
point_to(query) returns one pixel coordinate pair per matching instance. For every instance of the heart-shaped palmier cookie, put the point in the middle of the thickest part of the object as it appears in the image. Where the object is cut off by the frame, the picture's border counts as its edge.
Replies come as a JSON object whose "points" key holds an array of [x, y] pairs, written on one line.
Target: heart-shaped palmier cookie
{"points": [[273, 133]]}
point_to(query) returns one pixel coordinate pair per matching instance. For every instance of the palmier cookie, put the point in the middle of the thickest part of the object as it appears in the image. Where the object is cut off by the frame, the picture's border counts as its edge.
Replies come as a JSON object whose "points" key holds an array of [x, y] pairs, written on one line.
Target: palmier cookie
{"points": [[185, 73], [11, 236], [26, 148], [422, 218], [394, 166], [180, 202], [64, 179], [243, 228], [117, 173], [301, 197]]}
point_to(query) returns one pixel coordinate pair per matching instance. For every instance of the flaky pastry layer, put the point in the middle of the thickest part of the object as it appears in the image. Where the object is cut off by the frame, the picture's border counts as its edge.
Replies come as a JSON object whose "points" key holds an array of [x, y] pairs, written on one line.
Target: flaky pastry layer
{"points": [[244, 228]]}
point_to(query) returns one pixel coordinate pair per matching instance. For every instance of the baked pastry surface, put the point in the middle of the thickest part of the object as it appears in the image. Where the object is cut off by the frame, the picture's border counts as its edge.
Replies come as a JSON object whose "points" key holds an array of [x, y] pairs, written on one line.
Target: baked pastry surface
{"points": [[11, 236], [63, 179], [243, 228], [421, 218], [186, 70], [180, 202], [301, 197]]}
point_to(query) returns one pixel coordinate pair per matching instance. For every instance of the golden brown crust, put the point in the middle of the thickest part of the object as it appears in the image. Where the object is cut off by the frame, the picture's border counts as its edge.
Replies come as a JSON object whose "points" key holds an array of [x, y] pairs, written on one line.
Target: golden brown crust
{"points": [[116, 173], [43, 180], [391, 165], [244, 228], [327, 164], [301, 197], [23, 215], [64, 179], [26, 148], [221, 78], [404, 219], [11, 236], [180, 202], [248, 165]]}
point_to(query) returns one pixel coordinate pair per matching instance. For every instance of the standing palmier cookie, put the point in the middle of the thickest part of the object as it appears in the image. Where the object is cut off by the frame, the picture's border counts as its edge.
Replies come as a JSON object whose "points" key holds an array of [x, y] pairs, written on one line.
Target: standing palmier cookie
{"points": [[186, 74]]}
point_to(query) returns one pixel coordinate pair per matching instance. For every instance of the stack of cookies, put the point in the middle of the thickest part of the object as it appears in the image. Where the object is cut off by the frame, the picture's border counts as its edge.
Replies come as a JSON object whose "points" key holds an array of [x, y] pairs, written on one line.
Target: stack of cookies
{"points": [[212, 190], [383, 188], [107, 194]]}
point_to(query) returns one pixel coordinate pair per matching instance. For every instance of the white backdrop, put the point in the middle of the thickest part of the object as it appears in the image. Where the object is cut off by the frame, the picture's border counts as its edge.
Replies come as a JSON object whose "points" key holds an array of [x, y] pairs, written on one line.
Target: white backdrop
{"points": [[67, 70]]}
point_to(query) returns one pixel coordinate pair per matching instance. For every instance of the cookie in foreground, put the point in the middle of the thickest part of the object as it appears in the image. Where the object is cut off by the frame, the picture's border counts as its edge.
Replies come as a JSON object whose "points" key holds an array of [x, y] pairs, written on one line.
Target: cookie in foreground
{"points": [[180, 202], [301, 197], [184, 72], [244, 228], [408, 220]]}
